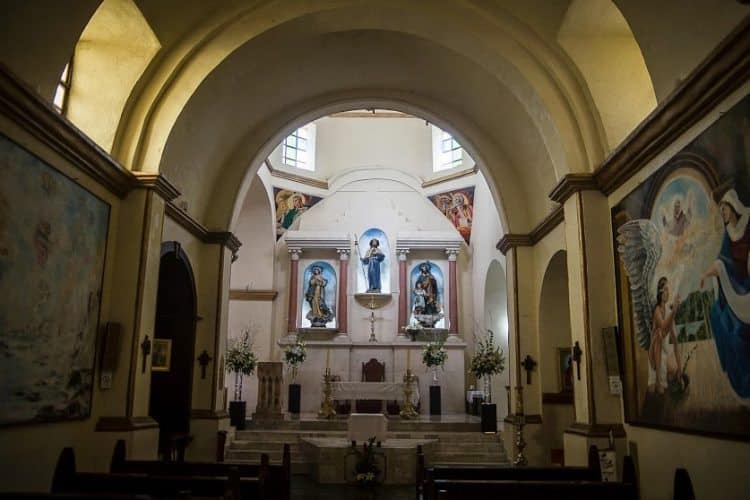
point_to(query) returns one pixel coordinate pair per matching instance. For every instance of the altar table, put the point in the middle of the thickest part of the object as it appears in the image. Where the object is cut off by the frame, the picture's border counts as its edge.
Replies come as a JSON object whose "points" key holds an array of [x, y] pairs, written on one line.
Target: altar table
{"points": [[384, 391]]}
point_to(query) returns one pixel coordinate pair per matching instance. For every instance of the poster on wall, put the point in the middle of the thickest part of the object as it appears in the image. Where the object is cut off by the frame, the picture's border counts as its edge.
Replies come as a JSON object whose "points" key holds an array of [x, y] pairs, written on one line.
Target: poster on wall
{"points": [[682, 242], [290, 205], [53, 236], [458, 207]]}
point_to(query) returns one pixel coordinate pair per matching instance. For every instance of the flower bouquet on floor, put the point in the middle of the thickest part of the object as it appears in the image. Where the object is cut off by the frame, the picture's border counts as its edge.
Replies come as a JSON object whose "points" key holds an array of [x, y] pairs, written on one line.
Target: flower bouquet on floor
{"points": [[241, 360], [488, 360], [366, 470], [434, 356], [294, 356]]}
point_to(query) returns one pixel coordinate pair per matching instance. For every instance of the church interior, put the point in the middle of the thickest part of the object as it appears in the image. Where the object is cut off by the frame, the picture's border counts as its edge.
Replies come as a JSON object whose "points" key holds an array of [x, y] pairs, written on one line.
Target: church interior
{"points": [[363, 246]]}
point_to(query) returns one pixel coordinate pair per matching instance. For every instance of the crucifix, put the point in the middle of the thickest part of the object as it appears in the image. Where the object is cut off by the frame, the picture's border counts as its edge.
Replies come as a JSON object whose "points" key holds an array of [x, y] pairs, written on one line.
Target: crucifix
{"points": [[204, 359], [577, 357], [146, 348], [528, 365]]}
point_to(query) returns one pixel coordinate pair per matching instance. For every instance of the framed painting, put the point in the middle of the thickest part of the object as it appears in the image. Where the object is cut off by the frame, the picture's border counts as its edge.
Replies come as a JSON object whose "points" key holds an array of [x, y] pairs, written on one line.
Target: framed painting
{"points": [[161, 355], [565, 369], [53, 237], [682, 242]]}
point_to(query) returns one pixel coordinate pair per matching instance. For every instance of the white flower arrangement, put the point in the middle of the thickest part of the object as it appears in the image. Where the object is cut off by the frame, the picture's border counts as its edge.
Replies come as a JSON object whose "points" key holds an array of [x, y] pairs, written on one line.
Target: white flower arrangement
{"points": [[240, 360], [295, 355], [434, 354]]}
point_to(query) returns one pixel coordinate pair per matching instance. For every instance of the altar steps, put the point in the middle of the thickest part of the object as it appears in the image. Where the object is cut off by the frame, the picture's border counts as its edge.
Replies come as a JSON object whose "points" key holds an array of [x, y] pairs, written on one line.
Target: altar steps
{"points": [[451, 448]]}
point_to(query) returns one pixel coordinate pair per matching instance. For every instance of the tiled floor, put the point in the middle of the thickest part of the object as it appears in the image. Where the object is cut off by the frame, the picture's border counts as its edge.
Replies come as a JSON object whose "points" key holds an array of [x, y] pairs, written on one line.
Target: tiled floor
{"points": [[304, 488]]}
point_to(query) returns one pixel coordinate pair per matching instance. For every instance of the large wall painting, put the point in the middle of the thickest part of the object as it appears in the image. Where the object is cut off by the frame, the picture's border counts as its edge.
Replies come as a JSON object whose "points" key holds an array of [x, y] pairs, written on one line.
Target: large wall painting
{"points": [[682, 243], [319, 287], [53, 236], [289, 206], [458, 207]]}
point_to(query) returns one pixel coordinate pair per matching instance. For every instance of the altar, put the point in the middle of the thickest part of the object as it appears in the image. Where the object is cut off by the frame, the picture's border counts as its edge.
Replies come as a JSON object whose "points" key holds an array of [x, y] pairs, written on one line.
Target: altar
{"points": [[383, 391]]}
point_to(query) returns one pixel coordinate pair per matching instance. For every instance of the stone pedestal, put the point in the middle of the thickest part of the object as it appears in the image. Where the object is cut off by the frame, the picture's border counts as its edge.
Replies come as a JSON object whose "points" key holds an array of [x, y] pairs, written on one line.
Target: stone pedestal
{"points": [[363, 426], [270, 383]]}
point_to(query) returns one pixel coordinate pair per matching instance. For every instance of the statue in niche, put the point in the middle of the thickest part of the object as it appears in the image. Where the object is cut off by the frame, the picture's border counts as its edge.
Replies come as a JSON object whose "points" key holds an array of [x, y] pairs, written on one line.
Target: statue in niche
{"points": [[426, 300], [372, 260], [320, 314]]}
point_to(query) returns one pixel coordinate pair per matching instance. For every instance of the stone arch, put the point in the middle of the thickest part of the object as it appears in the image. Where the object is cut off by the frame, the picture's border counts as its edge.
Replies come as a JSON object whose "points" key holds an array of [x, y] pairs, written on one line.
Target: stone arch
{"points": [[554, 338], [495, 318], [598, 39]]}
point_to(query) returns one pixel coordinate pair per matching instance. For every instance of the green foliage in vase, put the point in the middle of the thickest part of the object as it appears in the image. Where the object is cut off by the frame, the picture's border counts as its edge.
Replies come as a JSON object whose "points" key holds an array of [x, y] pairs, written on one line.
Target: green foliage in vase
{"points": [[434, 354], [240, 356], [488, 359]]}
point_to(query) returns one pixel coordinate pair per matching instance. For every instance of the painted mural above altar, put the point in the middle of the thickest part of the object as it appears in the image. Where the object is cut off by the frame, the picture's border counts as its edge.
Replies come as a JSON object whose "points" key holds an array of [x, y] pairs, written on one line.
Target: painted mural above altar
{"points": [[458, 207], [290, 205]]}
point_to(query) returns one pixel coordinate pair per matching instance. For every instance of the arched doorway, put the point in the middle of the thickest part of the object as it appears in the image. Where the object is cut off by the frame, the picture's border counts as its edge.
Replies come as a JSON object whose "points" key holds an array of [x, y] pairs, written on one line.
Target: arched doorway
{"points": [[554, 350], [173, 349], [496, 319]]}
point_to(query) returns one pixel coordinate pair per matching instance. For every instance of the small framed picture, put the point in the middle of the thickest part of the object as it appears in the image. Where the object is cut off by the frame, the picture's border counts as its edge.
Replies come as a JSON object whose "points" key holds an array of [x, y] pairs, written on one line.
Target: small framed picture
{"points": [[161, 355], [565, 369]]}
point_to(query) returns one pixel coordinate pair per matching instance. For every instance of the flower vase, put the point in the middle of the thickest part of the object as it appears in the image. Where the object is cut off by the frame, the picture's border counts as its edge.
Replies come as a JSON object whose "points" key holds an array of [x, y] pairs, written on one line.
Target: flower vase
{"points": [[435, 380]]}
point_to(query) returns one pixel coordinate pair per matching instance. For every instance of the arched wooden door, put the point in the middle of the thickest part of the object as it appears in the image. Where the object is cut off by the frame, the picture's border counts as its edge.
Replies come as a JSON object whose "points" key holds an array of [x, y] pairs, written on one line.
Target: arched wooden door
{"points": [[173, 352]]}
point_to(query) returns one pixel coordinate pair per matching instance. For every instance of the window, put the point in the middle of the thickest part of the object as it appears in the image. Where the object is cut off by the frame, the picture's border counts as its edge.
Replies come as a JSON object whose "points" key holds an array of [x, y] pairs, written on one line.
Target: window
{"points": [[447, 153], [60, 101], [298, 149]]}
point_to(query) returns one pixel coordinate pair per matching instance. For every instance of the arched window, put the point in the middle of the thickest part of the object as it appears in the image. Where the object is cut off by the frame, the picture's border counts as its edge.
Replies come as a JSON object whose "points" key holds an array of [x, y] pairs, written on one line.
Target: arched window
{"points": [[298, 149]]}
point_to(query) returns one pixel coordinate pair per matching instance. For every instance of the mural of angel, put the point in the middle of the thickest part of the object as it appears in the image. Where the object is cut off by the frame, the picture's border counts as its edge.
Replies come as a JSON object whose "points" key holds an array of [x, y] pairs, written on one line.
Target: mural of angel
{"points": [[640, 249], [458, 207], [730, 313], [290, 205]]}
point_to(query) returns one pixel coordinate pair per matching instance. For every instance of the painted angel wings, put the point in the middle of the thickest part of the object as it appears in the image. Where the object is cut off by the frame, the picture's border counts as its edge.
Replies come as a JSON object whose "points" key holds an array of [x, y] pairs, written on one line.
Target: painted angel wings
{"points": [[640, 250]]}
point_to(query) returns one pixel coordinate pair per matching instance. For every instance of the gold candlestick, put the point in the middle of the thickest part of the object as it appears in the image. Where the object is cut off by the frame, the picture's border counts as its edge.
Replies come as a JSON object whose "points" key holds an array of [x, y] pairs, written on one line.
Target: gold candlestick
{"points": [[408, 411], [326, 406]]}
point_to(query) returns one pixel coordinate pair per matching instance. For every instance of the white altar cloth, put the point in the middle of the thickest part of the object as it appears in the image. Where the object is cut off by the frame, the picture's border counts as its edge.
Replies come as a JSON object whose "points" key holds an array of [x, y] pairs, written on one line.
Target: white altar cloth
{"points": [[384, 391]]}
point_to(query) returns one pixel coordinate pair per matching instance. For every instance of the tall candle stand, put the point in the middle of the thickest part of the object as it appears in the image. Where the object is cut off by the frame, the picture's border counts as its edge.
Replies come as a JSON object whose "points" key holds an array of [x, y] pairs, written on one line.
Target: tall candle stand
{"points": [[326, 406], [408, 411], [520, 459]]}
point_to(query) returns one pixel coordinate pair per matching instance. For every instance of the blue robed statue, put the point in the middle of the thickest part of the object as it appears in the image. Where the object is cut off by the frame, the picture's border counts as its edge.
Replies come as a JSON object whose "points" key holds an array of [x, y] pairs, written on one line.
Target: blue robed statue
{"points": [[372, 260]]}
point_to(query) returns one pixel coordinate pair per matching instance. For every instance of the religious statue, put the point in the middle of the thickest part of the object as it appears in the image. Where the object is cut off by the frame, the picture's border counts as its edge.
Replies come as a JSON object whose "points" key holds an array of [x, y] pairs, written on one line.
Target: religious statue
{"points": [[372, 260], [426, 300], [320, 314]]}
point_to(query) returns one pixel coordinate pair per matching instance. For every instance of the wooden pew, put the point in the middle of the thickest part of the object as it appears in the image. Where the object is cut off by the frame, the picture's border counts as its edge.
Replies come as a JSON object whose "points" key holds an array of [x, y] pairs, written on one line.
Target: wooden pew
{"points": [[67, 480], [450, 489], [427, 476], [276, 478]]}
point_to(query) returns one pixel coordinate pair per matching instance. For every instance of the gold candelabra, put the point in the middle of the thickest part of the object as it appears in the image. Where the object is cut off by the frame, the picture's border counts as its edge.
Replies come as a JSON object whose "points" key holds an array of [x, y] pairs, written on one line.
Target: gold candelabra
{"points": [[326, 406], [408, 411], [520, 459]]}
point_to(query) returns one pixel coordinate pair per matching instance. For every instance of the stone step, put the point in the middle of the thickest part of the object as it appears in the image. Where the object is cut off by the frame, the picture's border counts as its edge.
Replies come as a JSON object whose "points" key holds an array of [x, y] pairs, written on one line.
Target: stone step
{"points": [[440, 458]]}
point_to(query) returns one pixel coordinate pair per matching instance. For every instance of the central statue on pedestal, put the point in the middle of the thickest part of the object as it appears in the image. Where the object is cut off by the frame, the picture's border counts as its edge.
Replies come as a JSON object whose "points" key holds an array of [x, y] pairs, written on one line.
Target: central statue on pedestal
{"points": [[372, 259]]}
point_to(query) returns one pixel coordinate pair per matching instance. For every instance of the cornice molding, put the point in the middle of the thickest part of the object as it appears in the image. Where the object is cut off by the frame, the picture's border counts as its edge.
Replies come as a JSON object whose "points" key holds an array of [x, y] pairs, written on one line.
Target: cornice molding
{"points": [[512, 240], [226, 238], [449, 177], [253, 295], [371, 114], [198, 230], [725, 69], [158, 183], [596, 430], [300, 179], [28, 110], [125, 424], [571, 184], [186, 221]]}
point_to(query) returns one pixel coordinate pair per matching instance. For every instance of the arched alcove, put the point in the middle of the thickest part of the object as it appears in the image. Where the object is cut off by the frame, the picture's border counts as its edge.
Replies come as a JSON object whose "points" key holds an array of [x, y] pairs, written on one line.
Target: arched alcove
{"points": [[555, 365], [496, 319], [173, 347]]}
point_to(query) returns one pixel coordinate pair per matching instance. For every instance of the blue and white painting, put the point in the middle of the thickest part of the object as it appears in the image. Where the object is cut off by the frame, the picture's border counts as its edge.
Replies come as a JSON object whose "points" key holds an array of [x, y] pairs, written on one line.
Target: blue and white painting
{"points": [[376, 270], [683, 247], [427, 287], [319, 287], [53, 236]]}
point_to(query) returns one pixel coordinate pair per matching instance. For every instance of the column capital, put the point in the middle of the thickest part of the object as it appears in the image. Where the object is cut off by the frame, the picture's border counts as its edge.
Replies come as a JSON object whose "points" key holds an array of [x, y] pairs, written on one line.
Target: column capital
{"points": [[294, 253], [343, 253], [402, 253], [452, 254]]}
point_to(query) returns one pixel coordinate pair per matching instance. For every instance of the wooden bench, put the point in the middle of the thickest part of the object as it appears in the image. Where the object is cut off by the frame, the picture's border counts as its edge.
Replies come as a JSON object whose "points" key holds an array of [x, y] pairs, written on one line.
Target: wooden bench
{"points": [[449, 489], [427, 476], [276, 478], [67, 480]]}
